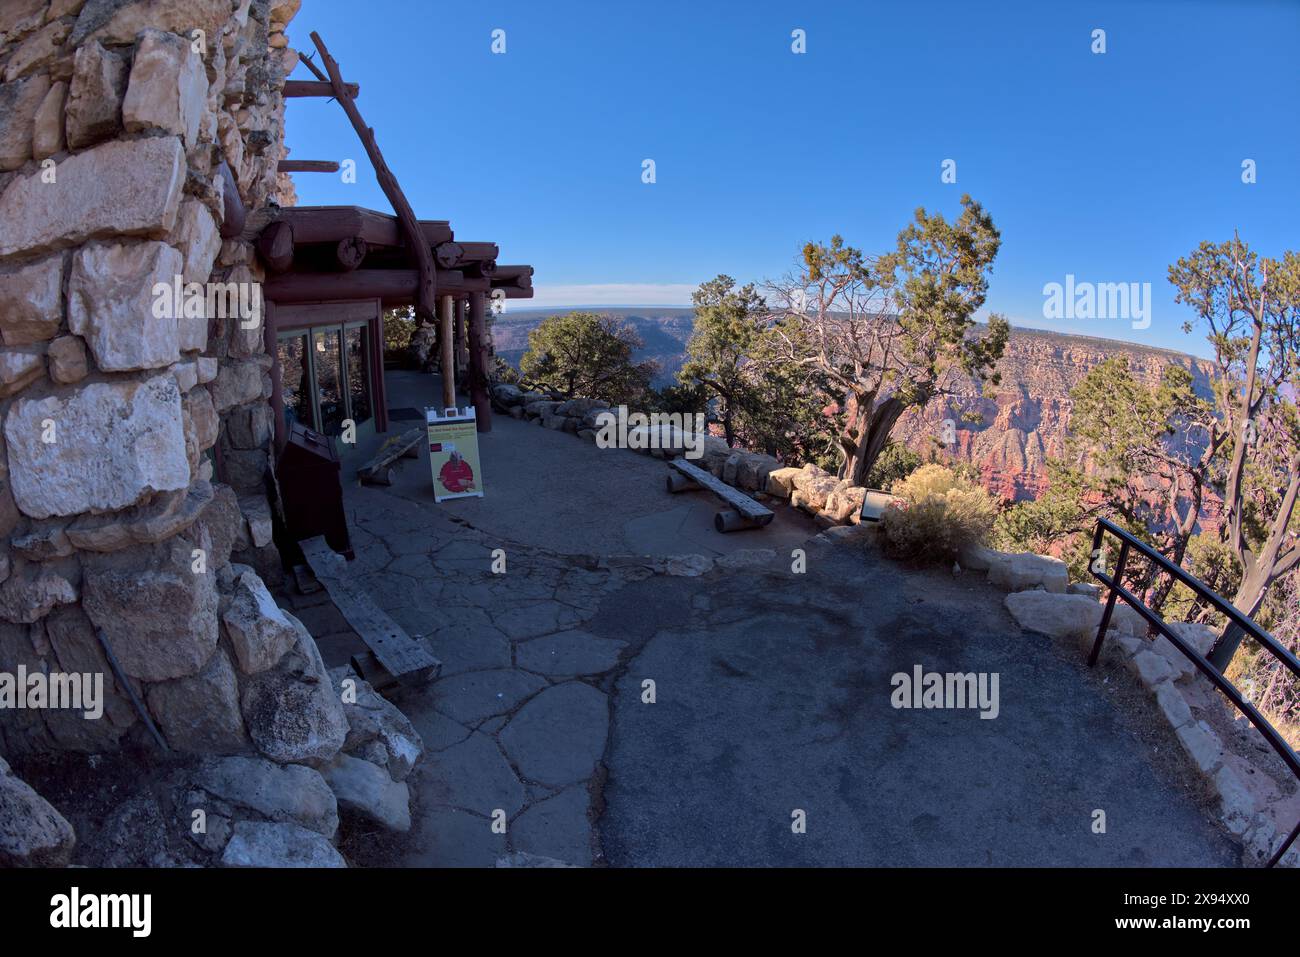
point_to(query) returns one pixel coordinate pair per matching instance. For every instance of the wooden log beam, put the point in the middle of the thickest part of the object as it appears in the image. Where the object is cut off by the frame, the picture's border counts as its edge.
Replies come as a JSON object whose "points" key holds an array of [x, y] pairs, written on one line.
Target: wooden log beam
{"points": [[275, 246], [511, 282], [307, 166], [513, 272], [297, 88], [417, 245], [350, 252], [329, 224], [448, 254], [390, 285], [478, 362]]}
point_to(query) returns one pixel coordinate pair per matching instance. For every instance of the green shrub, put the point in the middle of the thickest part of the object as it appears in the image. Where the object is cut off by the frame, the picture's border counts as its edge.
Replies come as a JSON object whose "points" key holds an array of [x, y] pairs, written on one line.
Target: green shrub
{"points": [[938, 513]]}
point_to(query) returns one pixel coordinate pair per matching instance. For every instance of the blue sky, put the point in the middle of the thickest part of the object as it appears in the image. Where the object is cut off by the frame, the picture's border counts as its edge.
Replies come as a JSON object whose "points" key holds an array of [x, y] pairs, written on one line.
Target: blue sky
{"points": [[1105, 166]]}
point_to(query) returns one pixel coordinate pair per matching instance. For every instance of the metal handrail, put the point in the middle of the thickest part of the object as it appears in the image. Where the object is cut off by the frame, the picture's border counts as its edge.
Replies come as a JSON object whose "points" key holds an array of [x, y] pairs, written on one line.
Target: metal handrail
{"points": [[1245, 622]]}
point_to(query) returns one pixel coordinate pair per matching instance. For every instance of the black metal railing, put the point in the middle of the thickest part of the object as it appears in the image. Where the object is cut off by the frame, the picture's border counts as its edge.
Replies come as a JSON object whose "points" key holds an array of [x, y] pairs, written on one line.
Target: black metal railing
{"points": [[1114, 582]]}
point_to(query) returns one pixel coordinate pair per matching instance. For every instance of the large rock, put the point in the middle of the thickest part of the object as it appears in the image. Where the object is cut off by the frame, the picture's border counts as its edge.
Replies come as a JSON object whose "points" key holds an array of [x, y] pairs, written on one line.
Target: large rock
{"points": [[168, 87], [237, 383], [291, 710], [163, 516], [374, 719], [115, 21], [28, 594], [37, 51], [200, 714], [259, 631], [72, 639], [32, 833], [365, 790], [19, 103], [111, 444], [258, 844], [159, 615], [31, 301], [753, 470], [124, 187], [111, 303], [780, 482], [95, 97], [1024, 570], [845, 503], [199, 241], [1057, 615], [290, 794]]}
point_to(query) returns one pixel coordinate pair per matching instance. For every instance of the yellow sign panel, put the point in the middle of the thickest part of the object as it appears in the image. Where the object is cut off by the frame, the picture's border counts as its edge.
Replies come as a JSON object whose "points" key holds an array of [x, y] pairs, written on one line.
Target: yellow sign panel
{"points": [[453, 453]]}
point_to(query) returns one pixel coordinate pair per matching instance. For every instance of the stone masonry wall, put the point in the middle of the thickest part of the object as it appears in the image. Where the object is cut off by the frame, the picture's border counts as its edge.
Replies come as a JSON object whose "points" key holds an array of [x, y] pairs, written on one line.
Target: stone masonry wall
{"points": [[115, 516]]}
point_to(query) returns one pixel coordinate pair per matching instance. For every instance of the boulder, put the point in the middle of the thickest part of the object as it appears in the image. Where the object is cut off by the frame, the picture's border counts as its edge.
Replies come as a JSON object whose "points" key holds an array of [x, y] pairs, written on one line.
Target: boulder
{"points": [[123, 187], [106, 446], [258, 844], [72, 639], [1018, 572], [257, 512], [160, 616], [506, 394], [111, 304], [199, 241], [94, 106], [780, 482], [259, 631], [373, 718], [286, 794], [168, 87], [200, 714], [291, 710], [845, 503], [224, 526], [1056, 615], [32, 832], [1091, 589], [753, 470], [577, 408], [538, 408], [236, 384], [19, 103], [366, 790], [31, 302]]}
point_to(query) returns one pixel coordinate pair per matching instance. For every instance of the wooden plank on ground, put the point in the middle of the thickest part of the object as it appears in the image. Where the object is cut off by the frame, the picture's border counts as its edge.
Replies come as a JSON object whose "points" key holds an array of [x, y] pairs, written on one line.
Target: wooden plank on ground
{"points": [[392, 450], [408, 660], [742, 503]]}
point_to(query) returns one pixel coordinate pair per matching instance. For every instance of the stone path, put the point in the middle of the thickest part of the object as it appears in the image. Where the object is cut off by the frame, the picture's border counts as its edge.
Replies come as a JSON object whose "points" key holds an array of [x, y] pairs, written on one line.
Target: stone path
{"points": [[771, 696]]}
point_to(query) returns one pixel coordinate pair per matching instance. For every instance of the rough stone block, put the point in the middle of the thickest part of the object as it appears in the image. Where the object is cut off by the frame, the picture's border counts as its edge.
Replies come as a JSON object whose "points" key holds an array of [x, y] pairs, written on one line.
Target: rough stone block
{"points": [[109, 444], [19, 103], [31, 301], [168, 87], [94, 107], [118, 188], [1056, 615], [111, 303]]}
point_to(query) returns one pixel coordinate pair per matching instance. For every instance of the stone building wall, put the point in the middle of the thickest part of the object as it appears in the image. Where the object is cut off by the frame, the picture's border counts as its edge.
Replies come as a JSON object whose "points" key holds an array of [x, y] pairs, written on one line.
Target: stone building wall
{"points": [[135, 449]]}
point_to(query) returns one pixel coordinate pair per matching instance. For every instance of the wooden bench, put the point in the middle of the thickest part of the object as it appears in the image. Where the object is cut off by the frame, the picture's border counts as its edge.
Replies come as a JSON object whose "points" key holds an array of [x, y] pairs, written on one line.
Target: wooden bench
{"points": [[378, 471], [742, 511], [394, 657]]}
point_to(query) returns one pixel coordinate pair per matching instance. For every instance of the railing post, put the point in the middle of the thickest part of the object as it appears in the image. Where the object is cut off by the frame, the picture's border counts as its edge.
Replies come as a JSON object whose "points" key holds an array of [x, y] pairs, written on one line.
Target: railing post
{"points": [[1115, 579]]}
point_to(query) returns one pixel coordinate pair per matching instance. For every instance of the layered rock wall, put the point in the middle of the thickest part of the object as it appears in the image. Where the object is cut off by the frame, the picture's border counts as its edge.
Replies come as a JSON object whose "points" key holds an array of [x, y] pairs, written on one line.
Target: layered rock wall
{"points": [[135, 482]]}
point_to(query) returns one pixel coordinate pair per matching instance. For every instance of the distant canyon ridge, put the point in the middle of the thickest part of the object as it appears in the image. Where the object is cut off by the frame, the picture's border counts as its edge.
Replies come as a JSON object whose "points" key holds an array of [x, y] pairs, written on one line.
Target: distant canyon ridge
{"points": [[1022, 422]]}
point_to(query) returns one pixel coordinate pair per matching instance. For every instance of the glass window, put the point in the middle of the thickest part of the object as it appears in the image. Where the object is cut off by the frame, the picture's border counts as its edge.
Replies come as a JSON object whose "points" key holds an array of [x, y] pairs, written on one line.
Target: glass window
{"points": [[295, 380], [357, 344], [329, 379]]}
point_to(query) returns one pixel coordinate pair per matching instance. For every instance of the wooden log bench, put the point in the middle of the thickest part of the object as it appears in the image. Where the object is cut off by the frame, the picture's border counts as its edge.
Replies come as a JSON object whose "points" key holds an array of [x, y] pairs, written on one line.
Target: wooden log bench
{"points": [[394, 656], [741, 511], [378, 470]]}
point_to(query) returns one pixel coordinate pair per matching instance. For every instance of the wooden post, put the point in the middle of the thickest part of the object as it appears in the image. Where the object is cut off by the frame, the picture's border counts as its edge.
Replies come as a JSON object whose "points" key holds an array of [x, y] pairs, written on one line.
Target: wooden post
{"points": [[478, 360], [462, 359], [448, 354]]}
